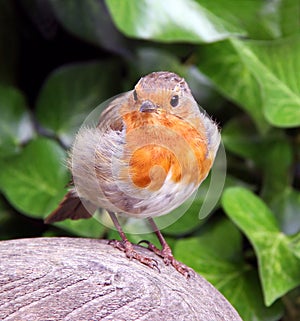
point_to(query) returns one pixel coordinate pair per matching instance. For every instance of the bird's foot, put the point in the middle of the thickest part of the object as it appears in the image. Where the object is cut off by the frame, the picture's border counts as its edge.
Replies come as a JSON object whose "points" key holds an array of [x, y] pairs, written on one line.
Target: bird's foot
{"points": [[127, 247], [169, 259]]}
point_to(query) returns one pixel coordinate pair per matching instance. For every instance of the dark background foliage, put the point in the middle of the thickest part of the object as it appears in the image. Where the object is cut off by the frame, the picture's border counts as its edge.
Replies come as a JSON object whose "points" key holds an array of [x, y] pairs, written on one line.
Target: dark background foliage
{"points": [[60, 59]]}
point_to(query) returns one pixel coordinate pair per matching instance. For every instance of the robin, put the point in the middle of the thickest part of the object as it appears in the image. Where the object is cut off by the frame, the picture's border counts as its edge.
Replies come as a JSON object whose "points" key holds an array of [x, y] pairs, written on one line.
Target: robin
{"points": [[150, 151]]}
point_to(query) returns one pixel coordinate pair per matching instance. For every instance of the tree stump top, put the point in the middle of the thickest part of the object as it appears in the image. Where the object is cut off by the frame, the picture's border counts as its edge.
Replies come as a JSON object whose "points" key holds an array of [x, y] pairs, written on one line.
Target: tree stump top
{"points": [[87, 279]]}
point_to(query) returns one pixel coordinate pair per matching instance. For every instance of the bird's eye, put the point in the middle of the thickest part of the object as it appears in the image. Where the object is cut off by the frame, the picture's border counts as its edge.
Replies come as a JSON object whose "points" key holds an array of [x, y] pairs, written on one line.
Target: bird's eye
{"points": [[174, 101], [135, 97]]}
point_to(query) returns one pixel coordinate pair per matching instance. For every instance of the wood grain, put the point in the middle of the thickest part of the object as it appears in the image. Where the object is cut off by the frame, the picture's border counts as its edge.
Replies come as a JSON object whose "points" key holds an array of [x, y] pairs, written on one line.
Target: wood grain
{"points": [[86, 279]]}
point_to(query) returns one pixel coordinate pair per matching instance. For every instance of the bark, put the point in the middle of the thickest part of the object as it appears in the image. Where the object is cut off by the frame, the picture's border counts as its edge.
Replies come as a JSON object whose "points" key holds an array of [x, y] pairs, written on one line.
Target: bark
{"points": [[87, 279]]}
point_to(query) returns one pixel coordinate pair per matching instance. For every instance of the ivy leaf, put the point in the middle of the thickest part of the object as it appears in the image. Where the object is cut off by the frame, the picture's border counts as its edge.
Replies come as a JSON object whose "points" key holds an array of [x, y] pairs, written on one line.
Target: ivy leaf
{"points": [[271, 63], [279, 268], [295, 245], [33, 181], [217, 256], [15, 123], [70, 93], [208, 21], [257, 76], [286, 207], [277, 170], [262, 20], [221, 63], [241, 138], [166, 20]]}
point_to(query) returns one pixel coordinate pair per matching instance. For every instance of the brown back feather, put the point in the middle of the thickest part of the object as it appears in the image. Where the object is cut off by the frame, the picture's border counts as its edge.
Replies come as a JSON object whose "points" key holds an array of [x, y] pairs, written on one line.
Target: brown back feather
{"points": [[70, 207]]}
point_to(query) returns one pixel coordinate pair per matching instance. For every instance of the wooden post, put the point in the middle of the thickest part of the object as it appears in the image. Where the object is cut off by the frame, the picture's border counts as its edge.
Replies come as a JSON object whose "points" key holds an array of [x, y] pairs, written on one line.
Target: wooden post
{"points": [[87, 279]]}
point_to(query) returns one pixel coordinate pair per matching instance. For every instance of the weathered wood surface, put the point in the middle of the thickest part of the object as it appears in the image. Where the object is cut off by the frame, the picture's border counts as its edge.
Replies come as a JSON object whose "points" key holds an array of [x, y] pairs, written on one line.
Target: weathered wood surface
{"points": [[85, 279]]}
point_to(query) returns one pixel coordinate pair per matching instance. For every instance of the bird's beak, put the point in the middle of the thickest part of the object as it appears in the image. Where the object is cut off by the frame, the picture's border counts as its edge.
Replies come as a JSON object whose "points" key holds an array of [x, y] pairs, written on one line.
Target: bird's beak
{"points": [[148, 106]]}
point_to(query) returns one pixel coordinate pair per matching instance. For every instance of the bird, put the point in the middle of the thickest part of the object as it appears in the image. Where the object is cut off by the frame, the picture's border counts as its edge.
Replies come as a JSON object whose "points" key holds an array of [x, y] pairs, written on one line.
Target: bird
{"points": [[150, 150]]}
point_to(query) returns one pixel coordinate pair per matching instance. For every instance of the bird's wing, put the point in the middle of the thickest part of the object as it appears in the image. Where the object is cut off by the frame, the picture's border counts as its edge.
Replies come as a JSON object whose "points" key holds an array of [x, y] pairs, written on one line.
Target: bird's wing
{"points": [[70, 207]]}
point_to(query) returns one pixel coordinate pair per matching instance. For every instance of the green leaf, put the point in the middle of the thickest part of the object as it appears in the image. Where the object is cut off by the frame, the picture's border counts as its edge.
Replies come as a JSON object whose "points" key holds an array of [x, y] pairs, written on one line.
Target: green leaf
{"points": [[221, 63], [207, 21], [286, 207], [277, 165], [261, 19], [295, 245], [260, 76], [217, 256], [89, 20], [84, 227], [189, 221], [167, 20], [33, 181], [15, 124], [286, 17], [279, 268], [70, 93], [151, 59], [241, 138], [276, 66]]}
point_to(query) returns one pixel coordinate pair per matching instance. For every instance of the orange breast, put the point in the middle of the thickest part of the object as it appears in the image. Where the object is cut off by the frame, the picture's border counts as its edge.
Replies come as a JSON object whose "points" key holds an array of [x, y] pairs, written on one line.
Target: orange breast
{"points": [[157, 143]]}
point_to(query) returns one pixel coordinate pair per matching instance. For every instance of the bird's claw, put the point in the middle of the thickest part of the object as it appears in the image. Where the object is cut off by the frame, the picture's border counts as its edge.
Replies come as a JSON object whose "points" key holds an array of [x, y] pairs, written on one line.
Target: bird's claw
{"points": [[131, 253], [167, 255]]}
